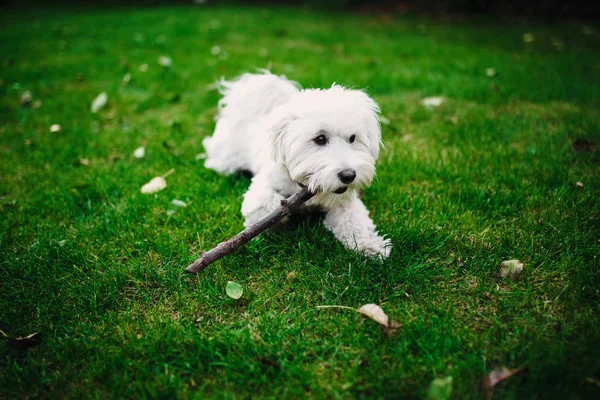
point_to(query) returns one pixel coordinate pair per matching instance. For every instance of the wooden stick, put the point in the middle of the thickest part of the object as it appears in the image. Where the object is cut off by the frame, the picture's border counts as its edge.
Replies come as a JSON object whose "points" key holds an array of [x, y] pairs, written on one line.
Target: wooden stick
{"points": [[231, 245]]}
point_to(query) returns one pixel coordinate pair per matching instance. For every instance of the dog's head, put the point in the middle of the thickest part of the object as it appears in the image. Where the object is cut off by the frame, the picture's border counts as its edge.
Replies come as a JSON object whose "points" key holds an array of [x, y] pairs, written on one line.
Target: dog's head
{"points": [[328, 139]]}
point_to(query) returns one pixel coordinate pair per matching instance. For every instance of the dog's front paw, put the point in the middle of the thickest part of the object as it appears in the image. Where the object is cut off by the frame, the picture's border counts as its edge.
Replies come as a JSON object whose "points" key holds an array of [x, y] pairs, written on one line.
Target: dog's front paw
{"points": [[376, 247]]}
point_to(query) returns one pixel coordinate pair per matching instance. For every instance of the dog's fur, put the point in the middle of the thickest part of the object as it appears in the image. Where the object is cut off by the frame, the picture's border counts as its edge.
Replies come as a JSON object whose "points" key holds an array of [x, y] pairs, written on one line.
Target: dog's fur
{"points": [[269, 126]]}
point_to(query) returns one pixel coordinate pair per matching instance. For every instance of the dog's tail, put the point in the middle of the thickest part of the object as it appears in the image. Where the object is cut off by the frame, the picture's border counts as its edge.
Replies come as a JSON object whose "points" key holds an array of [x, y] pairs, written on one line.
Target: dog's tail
{"points": [[252, 95]]}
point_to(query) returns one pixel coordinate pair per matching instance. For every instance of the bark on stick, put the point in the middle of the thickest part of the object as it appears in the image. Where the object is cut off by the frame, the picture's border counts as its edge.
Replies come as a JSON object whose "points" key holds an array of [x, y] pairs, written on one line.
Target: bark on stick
{"points": [[231, 245]]}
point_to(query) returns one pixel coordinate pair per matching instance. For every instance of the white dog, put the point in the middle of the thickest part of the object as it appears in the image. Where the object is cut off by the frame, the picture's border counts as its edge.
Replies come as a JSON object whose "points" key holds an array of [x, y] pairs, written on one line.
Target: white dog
{"points": [[327, 140]]}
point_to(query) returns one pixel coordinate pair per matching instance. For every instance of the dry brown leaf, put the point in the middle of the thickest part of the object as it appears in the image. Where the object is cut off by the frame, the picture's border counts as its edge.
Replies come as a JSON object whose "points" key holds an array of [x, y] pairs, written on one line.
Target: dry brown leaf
{"points": [[583, 145], [510, 268], [376, 313], [495, 377], [26, 99], [24, 342]]}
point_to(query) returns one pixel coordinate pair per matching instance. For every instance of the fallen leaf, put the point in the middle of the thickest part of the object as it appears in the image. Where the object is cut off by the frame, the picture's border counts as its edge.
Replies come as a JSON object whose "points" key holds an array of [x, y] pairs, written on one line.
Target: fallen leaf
{"points": [[26, 99], [140, 152], [24, 342], [583, 145], [165, 61], [393, 327], [586, 30], [376, 313], [510, 268], [178, 203], [234, 290], [528, 37], [557, 43], [431, 102], [99, 102], [55, 128], [490, 380], [579, 184], [440, 389], [593, 381], [156, 184], [214, 24]]}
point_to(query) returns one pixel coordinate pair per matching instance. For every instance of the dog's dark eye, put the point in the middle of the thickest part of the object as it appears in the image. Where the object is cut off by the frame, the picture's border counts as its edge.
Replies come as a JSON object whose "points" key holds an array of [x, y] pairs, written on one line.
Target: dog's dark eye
{"points": [[352, 138], [321, 140]]}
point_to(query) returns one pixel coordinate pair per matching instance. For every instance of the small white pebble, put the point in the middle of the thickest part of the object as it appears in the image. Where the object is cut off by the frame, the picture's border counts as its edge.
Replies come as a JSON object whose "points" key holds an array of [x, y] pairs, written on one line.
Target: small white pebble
{"points": [[140, 152]]}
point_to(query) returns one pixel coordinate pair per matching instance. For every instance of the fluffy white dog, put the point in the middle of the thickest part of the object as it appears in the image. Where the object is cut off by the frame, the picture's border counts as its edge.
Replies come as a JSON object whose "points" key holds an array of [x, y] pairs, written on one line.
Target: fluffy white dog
{"points": [[327, 140]]}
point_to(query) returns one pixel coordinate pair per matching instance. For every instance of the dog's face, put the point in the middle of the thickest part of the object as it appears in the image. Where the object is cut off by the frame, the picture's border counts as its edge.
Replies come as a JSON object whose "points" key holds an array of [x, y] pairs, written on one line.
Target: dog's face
{"points": [[328, 139]]}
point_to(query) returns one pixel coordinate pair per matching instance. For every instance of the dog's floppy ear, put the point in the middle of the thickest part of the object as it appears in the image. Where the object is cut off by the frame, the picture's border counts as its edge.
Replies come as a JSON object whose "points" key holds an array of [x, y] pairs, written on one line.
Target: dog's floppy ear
{"points": [[370, 113], [278, 128]]}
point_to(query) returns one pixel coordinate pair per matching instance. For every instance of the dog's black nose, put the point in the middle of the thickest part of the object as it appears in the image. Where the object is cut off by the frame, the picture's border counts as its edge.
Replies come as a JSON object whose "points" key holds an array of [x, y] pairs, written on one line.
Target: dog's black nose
{"points": [[347, 175]]}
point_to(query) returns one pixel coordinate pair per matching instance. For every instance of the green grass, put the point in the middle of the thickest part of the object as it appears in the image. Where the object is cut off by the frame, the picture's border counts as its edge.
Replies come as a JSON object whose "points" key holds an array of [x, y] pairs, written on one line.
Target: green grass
{"points": [[491, 175]]}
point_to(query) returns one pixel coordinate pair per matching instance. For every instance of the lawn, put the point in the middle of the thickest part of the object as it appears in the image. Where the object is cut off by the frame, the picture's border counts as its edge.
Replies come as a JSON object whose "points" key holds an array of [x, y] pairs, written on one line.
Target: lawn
{"points": [[506, 167]]}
